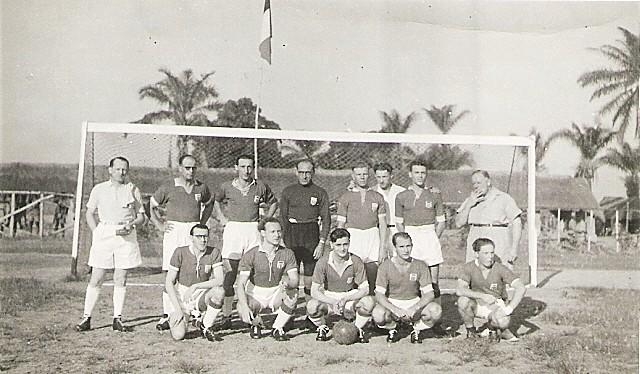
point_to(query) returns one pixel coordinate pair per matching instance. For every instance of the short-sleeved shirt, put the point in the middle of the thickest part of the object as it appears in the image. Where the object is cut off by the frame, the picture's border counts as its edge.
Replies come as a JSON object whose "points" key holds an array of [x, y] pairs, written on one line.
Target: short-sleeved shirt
{"points": [[495, 284], [403, 285], [304, 204], [426, 209], [497, 208], [190, 268], [182, 206], [326, 274], [390, 198], [265, 272], [359, 213], [244, 205], [116, 203]]}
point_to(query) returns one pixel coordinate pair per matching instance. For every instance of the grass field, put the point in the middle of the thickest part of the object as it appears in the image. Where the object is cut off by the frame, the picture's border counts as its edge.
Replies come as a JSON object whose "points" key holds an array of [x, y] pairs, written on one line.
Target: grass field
{"points": [[563, 331]]}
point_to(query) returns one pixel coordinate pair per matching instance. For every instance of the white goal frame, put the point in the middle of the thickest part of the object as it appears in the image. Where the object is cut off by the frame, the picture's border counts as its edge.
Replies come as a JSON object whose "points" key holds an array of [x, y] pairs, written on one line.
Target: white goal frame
{"points": [[520, 141]]}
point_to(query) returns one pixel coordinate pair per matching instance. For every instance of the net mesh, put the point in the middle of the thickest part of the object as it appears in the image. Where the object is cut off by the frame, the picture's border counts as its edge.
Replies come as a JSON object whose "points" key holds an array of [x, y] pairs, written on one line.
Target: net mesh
{"points": [[154, 159]]}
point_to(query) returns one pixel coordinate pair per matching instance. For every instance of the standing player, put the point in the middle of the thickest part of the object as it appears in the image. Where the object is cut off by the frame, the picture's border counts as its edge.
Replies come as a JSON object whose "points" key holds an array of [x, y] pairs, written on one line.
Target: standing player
{"points": [[362, 212], [420, 213], [404, 292], [301, 205], [490, 213], [114, 243], [340, 287], [187, 202], [238, 210], [262, 283], [480, 288], [384, 173], [194, 283]]}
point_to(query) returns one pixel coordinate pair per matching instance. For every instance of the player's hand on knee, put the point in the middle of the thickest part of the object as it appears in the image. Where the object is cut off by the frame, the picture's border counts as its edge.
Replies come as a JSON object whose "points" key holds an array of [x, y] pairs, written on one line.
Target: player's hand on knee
{"points": [[227, 265], [488, 299], [244, 312]]}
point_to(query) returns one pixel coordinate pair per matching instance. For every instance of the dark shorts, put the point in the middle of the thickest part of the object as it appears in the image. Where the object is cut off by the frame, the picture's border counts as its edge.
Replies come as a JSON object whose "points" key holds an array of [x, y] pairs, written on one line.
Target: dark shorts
{"points": [[302, 239]]}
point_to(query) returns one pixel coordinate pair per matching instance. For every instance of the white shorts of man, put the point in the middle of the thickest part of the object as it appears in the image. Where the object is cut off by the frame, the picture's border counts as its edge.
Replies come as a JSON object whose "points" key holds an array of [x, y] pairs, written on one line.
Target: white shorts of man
{"points": [[203, 306], [357, 310], [422, 319], [497, 314], [279, 299]]}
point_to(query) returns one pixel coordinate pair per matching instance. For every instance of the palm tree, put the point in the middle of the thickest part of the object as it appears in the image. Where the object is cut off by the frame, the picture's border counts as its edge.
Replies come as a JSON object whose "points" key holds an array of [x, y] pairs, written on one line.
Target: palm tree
{"points": [[296, 150], [589, 141], [619, 84], [393, 122], [542, 146], [444, 117], [186, 101], [626, 159]]}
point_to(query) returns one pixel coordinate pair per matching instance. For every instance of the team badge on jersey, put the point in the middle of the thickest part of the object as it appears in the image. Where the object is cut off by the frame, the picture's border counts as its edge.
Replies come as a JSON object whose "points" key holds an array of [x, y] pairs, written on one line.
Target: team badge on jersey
{"points": [[256, 199], [413, 276], [493, 287], [374, 206], [198, 197], [207, 268], [428, 204], [313, 201], [280, 264], [350, 280]]}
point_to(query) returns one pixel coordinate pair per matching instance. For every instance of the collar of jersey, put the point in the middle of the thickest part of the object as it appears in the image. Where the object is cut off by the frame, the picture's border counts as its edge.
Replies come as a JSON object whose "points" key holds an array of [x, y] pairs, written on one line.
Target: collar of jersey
{"points": [[235, 181], [261, 248], [332, 263], [176, 182]]}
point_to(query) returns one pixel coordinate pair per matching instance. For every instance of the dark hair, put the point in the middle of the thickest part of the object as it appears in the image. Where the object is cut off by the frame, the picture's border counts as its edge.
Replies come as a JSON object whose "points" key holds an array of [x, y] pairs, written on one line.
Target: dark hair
{"points": [[199, 226], [113, 160], [263, 223], [183, 157], [481, 242], [400, 235], [417, 162], [382, 166], [339, 234], [484, 173], [360, 164], [244, 157], [308, 161]]}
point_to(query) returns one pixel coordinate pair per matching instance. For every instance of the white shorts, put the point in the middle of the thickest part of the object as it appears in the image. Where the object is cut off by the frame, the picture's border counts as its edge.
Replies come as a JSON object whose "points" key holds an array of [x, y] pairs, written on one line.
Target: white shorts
{"points": [[268, 297], [190, 306], [426, 245], [365, 244], [111, 251], [404, 304], [238, 237], [178, 237], [483, 310], [350, 305]]}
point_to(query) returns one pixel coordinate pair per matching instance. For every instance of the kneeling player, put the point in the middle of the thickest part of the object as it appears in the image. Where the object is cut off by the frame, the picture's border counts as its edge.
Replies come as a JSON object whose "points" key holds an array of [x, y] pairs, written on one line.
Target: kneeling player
{"points": [[261, 281], [404, 292], [339, 286], [194, 284], [480, 291]]}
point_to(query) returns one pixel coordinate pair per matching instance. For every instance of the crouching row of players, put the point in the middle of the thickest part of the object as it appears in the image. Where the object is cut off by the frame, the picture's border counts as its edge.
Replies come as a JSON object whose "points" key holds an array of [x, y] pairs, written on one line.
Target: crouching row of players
{"points": [[268, 279]]}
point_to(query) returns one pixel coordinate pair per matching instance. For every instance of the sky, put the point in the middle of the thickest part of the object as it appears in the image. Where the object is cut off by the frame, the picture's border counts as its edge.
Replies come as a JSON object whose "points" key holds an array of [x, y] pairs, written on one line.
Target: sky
{"points": [[336, 64]]}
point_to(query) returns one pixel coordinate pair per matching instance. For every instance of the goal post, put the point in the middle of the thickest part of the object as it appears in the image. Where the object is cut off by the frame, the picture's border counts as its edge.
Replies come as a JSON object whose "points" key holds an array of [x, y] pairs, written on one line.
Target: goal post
{"points": [[153, 151]]}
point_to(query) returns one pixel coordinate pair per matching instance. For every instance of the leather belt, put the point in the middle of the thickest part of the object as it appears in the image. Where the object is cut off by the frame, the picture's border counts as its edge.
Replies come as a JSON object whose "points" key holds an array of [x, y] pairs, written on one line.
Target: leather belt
{"points": [[488, 224], [391, 225]]}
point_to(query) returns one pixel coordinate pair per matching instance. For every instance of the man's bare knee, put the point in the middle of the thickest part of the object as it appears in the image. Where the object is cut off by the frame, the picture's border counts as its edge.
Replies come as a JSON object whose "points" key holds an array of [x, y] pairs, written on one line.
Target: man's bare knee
{"points": [[365, 305]]}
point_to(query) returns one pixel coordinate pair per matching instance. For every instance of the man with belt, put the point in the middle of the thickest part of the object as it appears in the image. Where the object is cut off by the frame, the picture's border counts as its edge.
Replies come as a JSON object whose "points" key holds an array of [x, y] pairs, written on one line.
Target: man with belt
{"points": [[238, 210], [420, 213], [491, 213], [187, 202], [268, 279], [301, 205], [362, 212], [114, 243], [389, 190]]}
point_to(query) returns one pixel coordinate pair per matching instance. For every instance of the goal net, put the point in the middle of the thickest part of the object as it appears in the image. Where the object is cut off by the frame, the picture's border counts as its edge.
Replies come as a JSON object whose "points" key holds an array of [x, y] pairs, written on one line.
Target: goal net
{"points": [[153, 152]]}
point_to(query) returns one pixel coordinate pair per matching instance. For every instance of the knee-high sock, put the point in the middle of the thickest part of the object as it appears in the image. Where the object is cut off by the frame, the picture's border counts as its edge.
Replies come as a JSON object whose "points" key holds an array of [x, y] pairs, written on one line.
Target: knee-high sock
{"points": [[167, 306], [282, 318], [361, 321], [119, 294], [389, 325], [210, 316], [90, 299], [420, 325], [317, 320], [227, 305]]}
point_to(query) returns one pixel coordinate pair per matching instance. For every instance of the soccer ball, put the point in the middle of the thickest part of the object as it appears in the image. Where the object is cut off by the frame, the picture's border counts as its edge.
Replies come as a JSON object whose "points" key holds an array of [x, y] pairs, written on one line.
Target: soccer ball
{"points": [[345, 333]]}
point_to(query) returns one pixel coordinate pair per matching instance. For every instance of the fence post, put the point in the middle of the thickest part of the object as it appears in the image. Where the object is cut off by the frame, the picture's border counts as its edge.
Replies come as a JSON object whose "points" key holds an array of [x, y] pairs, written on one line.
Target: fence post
{"points": [[559, 223], [617, 231], [41, 224], [12, 220]]}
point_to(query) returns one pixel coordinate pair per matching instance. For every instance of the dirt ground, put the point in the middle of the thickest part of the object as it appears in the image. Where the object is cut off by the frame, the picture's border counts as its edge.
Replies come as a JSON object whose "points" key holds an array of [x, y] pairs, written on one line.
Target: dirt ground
{"points": [[42, 339]]}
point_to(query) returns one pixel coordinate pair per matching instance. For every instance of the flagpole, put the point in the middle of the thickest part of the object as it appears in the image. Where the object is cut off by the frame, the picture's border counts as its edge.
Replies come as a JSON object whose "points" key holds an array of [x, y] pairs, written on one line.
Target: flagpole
{"points": [[256, 125]]}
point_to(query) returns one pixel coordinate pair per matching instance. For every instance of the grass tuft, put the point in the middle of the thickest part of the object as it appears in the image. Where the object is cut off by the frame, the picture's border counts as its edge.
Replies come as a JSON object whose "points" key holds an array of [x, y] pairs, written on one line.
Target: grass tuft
{"points": [[22, 294], [122, 367], [335, 360], [189, 367], [380, 362]]}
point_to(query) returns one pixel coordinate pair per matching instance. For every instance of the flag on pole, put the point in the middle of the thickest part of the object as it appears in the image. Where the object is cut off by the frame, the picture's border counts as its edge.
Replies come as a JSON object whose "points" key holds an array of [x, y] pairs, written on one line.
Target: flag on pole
{"points": [[265, 40]]}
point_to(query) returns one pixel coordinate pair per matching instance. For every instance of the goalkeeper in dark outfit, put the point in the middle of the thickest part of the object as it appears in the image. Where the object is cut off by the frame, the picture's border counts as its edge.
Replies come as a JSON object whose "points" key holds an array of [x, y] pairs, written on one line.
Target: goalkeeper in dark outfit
{"points": [[301, 205]]}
